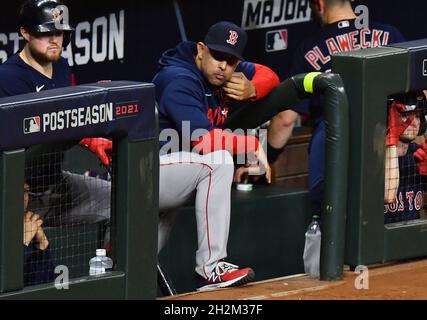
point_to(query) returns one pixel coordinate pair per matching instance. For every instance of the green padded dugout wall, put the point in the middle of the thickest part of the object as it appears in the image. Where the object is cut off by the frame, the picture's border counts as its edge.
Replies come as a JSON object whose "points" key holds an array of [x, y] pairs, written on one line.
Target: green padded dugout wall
{"points": [[266, 233], [369, 77], [135, 195]]}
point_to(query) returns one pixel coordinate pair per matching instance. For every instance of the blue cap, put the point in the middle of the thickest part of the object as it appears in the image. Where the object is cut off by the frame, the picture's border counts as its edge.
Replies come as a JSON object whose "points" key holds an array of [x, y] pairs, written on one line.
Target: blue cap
{"points": [[227, 37]]}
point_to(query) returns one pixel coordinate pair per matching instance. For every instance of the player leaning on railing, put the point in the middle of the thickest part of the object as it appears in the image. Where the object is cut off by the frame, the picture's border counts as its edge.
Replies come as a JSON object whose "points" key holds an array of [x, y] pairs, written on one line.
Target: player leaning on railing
{"points": [[39, 66]]}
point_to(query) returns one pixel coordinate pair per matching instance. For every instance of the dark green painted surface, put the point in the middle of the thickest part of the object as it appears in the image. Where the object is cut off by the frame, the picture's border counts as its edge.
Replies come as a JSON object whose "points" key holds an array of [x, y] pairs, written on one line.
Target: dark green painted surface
{"points": [[110, 286], [11, 221], [405, 241], [369, 77], [137, 216], [266, 233], [135, 202], [334, 206]]}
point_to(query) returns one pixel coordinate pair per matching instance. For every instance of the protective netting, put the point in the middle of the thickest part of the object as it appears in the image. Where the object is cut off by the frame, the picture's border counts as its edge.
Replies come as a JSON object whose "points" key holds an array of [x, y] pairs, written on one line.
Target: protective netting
{"points": [[406, 160], [67, 200]]}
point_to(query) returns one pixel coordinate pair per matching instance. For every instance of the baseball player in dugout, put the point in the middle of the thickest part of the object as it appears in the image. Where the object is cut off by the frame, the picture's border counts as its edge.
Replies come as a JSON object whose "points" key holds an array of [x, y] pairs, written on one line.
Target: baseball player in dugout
{"points": [[194, 86], [38, 263], [406, 160], [39, 66], [339, 33]]}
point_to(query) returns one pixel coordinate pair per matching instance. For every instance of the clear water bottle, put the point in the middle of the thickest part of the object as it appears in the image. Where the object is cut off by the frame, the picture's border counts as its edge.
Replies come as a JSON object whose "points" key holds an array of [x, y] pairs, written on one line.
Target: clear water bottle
{"points": [[100, 264], [313, 238]]}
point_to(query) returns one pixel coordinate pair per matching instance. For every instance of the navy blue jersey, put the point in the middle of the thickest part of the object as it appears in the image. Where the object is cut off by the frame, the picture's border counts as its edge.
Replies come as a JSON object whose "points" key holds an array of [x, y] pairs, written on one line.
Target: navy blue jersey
{"points": [[314, 54], [39, 266], [17, 77], [409, 197]]}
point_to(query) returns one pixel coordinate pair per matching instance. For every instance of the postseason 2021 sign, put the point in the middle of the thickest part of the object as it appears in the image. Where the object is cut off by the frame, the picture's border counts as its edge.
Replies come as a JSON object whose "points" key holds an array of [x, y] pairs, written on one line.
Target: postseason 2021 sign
{"points": [[65, 114]]}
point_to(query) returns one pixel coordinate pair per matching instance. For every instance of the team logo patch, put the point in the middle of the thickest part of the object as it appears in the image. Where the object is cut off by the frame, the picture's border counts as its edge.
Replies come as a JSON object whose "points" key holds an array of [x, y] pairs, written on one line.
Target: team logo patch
{"points": [[276, 40], [31, 125], [425, 67], [233, 37], [56, 13]]}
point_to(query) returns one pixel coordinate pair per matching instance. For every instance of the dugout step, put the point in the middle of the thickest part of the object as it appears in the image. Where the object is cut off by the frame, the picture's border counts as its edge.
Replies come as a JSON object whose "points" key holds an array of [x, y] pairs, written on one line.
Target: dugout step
{"points": [[266, 233]]}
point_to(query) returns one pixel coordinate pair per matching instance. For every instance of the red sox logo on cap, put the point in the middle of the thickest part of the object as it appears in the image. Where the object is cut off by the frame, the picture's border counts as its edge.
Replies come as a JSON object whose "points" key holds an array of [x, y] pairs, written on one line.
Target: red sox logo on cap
{"points": [[233, 37], [56, 13], [226, 37]]}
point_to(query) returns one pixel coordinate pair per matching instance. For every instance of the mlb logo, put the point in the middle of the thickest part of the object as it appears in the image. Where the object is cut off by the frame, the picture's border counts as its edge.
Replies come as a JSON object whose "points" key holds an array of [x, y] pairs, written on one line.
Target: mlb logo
{"points": [[276, 40], [31, 125], [343, 24], [425, 68]]}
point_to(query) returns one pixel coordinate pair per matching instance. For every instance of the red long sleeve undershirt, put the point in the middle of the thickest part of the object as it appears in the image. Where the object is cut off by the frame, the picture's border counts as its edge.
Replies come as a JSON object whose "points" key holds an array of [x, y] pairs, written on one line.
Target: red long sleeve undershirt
{"points": [[218, 139], [264, 81]]}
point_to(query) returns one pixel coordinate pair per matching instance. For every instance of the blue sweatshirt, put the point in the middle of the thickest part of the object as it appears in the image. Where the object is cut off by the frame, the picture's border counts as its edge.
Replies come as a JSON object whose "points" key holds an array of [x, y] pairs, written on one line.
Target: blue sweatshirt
{"points": [[183, 94]]}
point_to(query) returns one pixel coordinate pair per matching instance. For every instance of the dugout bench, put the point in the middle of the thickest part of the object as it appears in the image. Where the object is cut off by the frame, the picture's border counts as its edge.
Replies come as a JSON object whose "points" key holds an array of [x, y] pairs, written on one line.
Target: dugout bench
{"points": [[27, 120]]}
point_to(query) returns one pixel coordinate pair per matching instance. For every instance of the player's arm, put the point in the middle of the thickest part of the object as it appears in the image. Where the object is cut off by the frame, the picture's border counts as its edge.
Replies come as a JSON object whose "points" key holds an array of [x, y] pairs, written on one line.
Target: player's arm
{"points": [[101, 147], [396, 126], [420, 156], [391, 175], [280, 128], [264, 80], [183, 102], [251, 81], [281, 125], [218, 139]]}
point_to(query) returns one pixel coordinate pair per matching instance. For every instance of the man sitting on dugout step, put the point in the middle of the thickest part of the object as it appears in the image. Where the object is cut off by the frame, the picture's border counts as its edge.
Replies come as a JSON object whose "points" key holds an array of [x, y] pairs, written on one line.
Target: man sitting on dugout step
{"points": [[195, 85]]}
